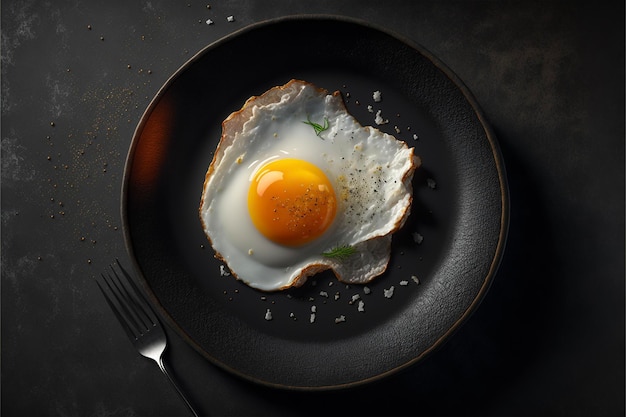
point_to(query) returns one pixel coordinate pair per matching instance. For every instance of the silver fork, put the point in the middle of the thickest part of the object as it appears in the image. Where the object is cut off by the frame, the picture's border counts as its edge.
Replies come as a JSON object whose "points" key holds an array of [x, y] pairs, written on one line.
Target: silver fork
{"points": [[138, 320]]}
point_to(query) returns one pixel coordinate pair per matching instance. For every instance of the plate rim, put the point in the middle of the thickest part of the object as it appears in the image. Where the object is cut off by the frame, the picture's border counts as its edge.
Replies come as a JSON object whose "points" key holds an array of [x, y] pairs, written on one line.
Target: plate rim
{"points": [[496, 156]]}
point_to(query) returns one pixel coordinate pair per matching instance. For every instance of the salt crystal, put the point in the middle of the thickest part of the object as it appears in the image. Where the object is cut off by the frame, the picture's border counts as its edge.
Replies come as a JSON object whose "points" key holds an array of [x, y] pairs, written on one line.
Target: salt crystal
{"points": [[389, 292], [379, 119]]}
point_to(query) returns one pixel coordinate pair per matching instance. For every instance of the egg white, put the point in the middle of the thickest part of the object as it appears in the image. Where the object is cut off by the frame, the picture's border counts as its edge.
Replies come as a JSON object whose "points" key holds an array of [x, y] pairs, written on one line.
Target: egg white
{"points": [[370, 172]]}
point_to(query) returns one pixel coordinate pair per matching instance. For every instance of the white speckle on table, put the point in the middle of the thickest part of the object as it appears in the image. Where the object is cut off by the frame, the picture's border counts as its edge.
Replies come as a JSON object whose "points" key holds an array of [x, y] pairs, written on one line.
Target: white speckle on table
{"points": [[14, 167], [340, 319], [415, 279], [377, 96], [418, 238], [223, 271], [361, 306], [230, 18], [404, 283], [268, 314]]}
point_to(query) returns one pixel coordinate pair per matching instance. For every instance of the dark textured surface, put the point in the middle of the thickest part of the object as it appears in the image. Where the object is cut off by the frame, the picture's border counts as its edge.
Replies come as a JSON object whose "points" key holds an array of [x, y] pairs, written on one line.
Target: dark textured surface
{"points": [[547, 340]]}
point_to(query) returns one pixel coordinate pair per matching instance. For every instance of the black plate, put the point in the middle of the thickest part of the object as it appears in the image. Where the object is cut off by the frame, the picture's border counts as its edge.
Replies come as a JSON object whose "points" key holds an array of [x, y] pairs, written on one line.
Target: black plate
{"points": [[459, 214]]}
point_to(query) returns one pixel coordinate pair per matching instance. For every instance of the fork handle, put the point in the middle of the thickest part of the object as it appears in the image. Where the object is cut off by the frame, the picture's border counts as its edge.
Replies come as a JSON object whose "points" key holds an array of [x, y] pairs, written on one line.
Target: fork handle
{"points": [[178, 390]]}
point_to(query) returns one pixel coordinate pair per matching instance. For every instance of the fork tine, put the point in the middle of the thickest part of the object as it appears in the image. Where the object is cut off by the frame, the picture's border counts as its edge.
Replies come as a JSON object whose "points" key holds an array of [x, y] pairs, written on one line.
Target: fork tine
{"points": [[130, 305], [120, 317], [141, 299], [126, 302]]}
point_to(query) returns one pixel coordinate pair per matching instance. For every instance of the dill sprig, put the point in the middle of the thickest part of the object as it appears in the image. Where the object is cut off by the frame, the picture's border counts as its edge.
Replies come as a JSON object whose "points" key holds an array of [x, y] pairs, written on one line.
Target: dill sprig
{"points": [[316, 126], [340, 252]]}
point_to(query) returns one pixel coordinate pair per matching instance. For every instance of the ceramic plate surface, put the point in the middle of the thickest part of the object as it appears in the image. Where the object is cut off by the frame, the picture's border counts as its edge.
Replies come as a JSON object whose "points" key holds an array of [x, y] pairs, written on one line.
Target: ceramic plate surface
{"points": [[443, 259]]}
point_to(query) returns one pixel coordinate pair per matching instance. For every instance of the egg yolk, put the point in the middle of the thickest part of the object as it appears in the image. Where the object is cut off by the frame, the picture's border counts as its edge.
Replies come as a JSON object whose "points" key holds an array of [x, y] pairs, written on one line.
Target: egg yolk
{"points": [[291, 201]]}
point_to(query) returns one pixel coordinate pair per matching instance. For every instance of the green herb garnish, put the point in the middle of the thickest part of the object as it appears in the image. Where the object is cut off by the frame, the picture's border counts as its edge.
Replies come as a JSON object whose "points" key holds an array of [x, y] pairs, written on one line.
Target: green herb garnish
{"points": [[318, 127], [340, 252]]}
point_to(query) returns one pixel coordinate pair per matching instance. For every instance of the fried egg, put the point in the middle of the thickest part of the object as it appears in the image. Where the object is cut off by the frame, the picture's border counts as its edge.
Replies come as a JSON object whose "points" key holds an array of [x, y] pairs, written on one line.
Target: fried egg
{"points": [[297, 186]]}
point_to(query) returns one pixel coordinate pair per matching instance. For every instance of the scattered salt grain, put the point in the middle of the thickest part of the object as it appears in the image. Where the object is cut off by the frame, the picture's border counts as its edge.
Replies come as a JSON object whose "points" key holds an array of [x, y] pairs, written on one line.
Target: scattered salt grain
{"points": [[293, 316], [377, 96], [312, 319], [268, 314], [340, 319], [313, 309], [354, 298], [415, 279], [389, 292], [231, 18], [404, 283], [361, 306], [209, 22], [379, 119], [415, 137], [397, 129], [337, 295], [418, 238], [324, 294], [223, 271], [366, 290], [370, 109]]}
